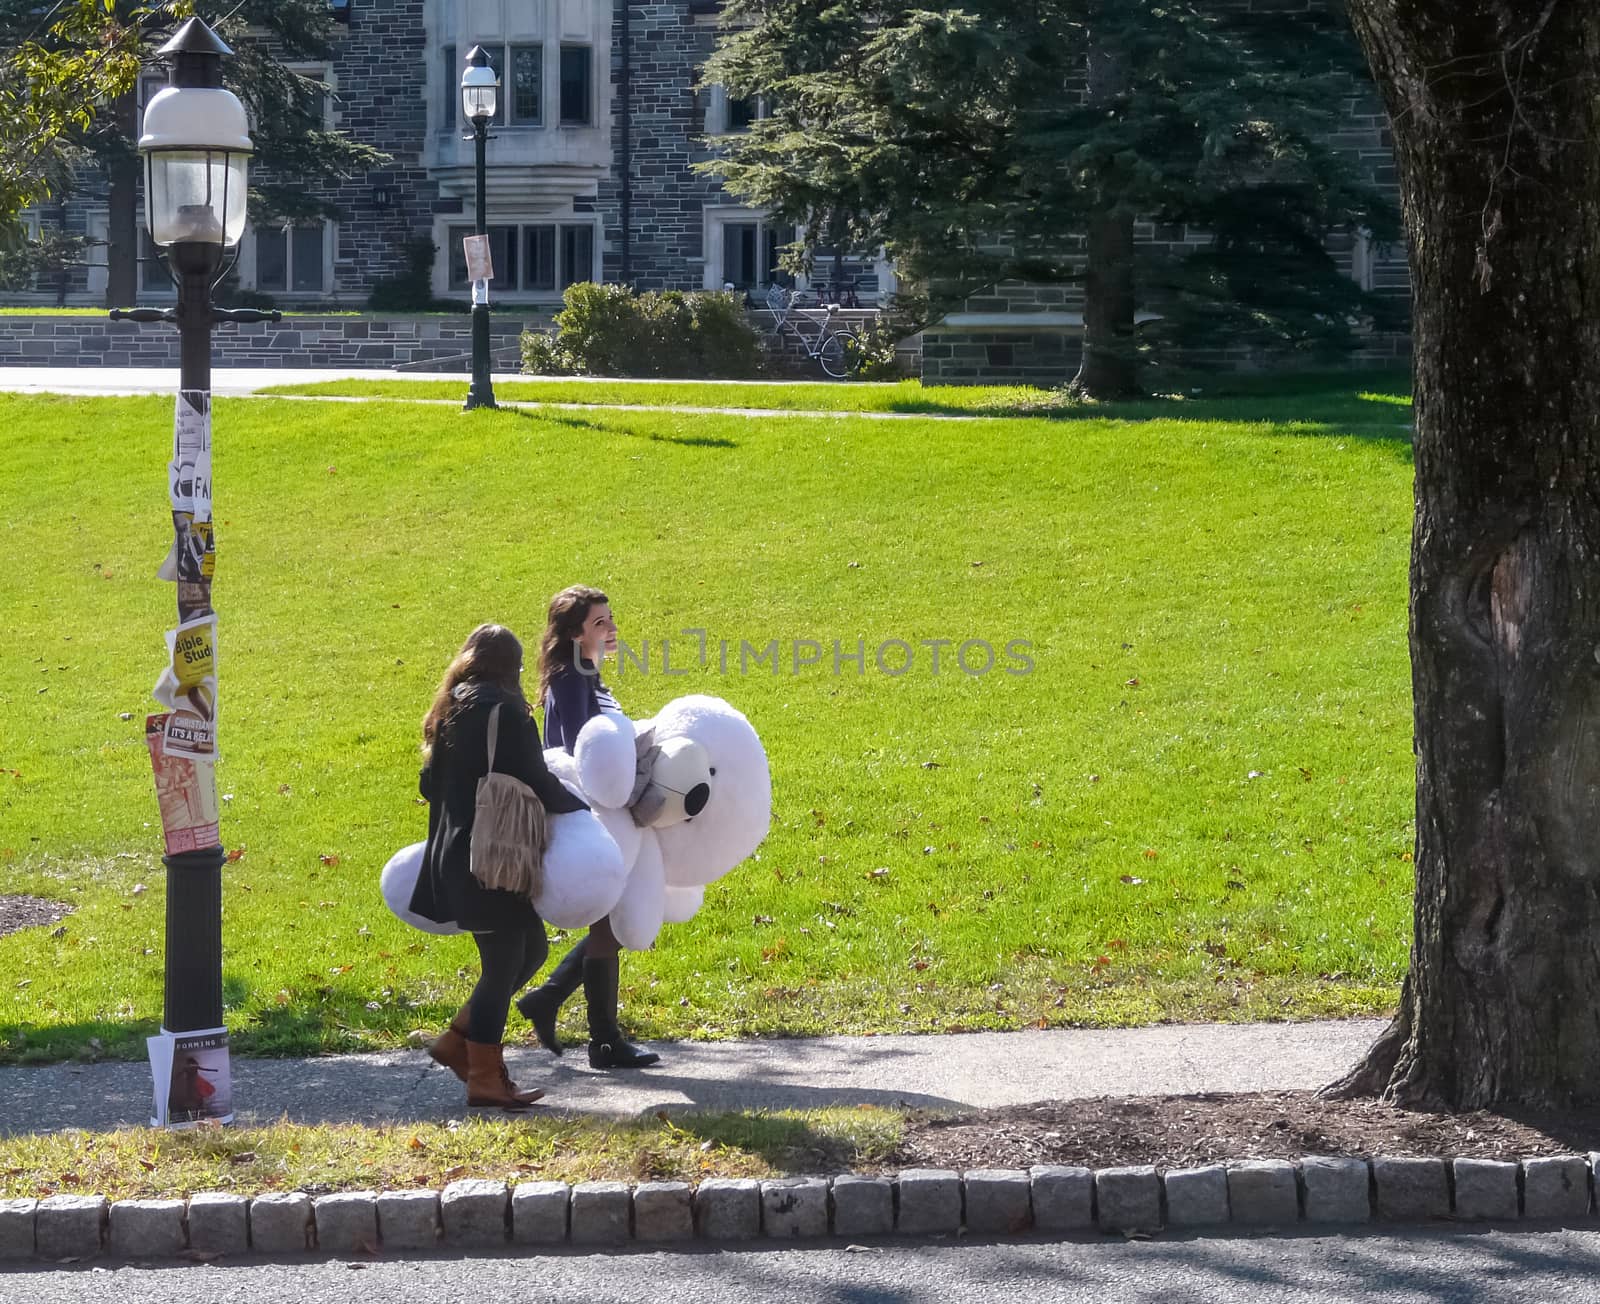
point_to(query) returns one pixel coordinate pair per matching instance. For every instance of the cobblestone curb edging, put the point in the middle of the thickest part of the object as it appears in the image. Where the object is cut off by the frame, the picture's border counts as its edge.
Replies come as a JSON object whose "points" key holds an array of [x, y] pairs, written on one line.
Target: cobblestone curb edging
{"points": [[1046, 1199]]}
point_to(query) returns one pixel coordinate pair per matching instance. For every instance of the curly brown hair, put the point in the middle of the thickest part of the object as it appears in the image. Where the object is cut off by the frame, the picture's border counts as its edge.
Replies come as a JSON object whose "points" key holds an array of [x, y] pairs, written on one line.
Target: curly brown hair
{"points": [[568, 610], [492, 654]]}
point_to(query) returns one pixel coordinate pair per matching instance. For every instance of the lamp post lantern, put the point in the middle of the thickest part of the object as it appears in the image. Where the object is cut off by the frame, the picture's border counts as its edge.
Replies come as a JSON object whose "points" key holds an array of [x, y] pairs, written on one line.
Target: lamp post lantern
{"points": [[196, 147], [480, 85]]}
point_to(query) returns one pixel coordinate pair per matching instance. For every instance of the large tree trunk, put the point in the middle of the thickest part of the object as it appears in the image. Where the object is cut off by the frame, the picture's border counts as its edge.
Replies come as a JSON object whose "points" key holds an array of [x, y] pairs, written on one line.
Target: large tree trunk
{"points": [[1495, 108], [1109, 367], [122, 218]]}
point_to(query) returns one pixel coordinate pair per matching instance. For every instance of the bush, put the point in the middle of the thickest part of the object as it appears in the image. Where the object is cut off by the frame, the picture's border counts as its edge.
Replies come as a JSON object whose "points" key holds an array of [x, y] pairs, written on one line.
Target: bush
{"points": [[412, 289], [875, 357], [608, 330]]}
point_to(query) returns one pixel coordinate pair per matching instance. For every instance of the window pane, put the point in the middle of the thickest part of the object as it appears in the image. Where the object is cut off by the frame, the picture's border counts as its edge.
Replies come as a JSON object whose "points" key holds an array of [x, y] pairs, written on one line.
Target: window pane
{"points": [[503, 251], [527, 84], [152, 270], [541, 257], [769, 265], [458, 256], [576, 85], [452, 89], [272, 260], [739, 254], [308, 257], [741, 113], [577, 254], [497, 61]]}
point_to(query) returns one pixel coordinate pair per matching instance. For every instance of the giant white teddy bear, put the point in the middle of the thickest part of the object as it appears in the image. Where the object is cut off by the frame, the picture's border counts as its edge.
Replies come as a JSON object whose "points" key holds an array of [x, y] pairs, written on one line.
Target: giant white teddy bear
{"points": [[677, 801]]}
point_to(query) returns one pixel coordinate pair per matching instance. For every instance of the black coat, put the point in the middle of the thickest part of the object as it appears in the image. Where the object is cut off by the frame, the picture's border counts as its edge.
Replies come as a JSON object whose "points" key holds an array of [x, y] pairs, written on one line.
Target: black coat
{"points": [[446, 891]]}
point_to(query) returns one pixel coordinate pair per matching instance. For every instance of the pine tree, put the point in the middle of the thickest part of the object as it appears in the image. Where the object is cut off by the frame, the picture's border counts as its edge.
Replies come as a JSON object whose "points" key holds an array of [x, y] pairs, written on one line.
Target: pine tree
{"points": [[1021, 140]]}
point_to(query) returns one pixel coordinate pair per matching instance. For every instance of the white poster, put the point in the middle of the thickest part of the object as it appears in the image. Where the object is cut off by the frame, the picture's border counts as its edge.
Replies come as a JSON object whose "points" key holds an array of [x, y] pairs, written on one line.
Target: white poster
{"points": [[191, 1077]]}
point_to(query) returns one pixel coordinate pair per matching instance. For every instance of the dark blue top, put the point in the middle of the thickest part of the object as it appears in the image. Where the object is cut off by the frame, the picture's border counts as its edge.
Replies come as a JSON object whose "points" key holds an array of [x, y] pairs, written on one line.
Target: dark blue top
{"points": [[571, 701]]}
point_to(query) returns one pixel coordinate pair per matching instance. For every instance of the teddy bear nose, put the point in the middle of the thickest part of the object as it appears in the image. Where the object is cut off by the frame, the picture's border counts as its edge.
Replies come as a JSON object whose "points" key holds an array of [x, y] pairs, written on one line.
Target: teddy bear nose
{"points": [[694, 801]]}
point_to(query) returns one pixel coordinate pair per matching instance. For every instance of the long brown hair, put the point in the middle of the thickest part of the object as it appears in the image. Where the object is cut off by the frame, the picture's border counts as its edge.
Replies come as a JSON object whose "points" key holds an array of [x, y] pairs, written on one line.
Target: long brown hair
{"points": [[568, 610], [492, 654]]}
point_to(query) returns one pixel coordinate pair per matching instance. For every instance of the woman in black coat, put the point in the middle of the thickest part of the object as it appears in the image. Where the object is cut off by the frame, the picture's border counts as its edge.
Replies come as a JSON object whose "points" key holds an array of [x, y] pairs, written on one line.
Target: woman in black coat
{"points": [[486, 673]]}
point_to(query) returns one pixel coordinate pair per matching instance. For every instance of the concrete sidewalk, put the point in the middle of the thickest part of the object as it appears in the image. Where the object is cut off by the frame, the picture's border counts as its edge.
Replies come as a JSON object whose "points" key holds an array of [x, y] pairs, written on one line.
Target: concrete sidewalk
{"points": [[940, 1072]]}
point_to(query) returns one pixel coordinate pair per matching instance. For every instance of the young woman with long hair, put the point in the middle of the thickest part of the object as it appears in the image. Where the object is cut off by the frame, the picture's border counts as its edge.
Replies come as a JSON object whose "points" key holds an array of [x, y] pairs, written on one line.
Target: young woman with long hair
{"points": [[485, 674], [579, 633]]}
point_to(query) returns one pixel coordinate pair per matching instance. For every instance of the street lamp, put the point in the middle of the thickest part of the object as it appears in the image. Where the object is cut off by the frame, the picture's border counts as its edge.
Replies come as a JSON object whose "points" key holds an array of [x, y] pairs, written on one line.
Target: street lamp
{"points": [[479, 86], [196, 147]]}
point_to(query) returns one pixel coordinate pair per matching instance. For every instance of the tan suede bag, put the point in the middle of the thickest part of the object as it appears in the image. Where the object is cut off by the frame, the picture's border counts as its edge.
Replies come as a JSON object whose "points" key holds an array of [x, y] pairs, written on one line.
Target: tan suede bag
{"points": [[509, 830]]}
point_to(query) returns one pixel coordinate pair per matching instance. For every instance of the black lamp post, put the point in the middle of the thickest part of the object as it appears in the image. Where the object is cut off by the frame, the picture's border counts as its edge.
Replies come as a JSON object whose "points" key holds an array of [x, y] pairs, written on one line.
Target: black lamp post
{"points": [[196, 146], [479, 84]]}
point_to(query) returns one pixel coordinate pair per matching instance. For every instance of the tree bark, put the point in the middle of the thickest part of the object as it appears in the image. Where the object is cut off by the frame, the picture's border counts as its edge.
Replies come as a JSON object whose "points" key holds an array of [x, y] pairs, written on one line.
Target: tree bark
{"points": [[1495, 107], [1109, 367], [122, 204]]}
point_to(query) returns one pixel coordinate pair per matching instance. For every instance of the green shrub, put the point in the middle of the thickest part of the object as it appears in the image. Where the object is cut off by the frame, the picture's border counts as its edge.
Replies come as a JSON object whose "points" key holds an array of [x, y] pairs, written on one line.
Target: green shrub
{"points": [[412, 289], [874, 350], [608, 330]]}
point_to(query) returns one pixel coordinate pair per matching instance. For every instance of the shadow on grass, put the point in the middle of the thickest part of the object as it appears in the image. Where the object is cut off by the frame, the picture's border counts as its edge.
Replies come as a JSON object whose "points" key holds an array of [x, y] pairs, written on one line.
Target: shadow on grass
{"points": [[560, 418]]}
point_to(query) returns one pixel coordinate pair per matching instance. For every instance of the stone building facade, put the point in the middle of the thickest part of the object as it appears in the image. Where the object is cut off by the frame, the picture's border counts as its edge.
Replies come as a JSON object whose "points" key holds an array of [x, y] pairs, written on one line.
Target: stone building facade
{"points": [[591, 176], [589, 161]]}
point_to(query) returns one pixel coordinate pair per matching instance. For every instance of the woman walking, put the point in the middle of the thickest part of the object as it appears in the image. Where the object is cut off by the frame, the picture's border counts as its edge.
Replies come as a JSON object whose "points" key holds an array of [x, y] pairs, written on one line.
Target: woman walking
{"points": [[484, 682], [578, 634]]}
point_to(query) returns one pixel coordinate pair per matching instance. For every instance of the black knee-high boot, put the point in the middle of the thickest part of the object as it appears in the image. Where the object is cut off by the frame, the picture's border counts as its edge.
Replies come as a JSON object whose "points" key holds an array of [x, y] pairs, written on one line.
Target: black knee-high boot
{"points": [[543, 1004], [608, 1048]]}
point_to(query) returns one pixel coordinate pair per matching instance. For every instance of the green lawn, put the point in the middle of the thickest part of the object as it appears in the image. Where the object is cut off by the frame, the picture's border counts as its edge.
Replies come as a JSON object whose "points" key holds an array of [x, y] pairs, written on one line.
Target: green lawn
{"points": [[1198, 804], [1232, 399]]}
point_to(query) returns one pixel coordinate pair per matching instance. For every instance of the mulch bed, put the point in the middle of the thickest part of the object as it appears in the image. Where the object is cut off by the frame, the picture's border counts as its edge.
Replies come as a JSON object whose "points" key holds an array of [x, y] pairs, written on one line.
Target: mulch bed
{"points": [[1189, 1131], [19, 912]]}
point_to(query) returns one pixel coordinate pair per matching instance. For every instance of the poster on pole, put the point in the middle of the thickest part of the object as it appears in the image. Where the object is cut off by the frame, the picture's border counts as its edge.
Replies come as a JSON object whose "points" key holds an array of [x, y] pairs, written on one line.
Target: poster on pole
{"points": [[191, 1078], [188, 686], [185, 791], [480, 262]]}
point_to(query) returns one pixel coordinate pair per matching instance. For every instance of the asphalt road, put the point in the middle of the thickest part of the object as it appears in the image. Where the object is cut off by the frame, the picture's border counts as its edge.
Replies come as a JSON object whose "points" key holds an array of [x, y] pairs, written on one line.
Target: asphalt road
{"points": [[1426, 1267]]}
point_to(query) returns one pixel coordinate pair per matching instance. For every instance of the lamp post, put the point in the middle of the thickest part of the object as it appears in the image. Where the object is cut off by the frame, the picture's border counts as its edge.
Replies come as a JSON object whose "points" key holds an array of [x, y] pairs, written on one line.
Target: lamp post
{"points": [[479, 85], [196, 148]]}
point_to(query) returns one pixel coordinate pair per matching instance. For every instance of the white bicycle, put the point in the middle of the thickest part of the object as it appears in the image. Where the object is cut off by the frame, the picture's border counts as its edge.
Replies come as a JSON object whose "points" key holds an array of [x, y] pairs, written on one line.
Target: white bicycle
{"points": [[833, 345]]}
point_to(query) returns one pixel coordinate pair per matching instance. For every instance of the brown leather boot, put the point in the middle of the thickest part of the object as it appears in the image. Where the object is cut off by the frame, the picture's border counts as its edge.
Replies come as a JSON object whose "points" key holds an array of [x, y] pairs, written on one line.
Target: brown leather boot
{"points": [[450, 1049], [488, 1083]]}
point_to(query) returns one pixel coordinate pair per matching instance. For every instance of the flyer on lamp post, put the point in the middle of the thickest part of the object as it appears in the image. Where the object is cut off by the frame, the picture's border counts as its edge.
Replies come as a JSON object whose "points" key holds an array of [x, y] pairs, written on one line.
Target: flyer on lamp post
{"points": [[192, 1078], [186, 791]]}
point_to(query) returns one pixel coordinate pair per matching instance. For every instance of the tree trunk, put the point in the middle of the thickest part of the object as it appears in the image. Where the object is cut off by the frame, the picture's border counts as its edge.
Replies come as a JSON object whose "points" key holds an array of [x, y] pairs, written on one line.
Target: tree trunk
{"points": [[122, 203], [1109, 367], [1496, 118]]}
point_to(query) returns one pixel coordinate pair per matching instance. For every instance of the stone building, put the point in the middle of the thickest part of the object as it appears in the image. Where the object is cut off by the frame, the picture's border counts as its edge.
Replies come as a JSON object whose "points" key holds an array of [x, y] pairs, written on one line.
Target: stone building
{"points": [[589, 173], [590, 177]]}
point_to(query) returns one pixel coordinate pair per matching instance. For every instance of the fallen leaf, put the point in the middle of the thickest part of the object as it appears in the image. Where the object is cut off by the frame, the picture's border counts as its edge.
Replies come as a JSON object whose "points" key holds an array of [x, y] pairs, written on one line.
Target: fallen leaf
{"points": [[329, 860], [1149, 853], [237, 854]]}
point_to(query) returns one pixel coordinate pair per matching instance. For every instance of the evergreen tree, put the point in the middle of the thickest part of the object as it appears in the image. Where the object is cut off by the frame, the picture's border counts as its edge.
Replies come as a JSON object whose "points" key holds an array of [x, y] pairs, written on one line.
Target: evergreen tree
{"points": [[1021, 139]]}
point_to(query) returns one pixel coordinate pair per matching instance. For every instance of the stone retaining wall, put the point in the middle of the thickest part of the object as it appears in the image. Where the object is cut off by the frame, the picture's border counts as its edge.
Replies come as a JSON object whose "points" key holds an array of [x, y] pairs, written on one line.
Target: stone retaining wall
{"points": [[366, 341]]}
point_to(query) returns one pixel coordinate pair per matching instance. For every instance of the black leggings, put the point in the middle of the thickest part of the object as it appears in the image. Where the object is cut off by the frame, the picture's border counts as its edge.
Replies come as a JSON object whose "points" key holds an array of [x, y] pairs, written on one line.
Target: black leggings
{"points": [[510, 957]]}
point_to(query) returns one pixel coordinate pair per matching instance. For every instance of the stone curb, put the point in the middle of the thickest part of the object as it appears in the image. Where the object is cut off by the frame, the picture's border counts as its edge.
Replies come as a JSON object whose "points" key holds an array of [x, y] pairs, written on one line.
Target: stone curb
{"points": [[1047, 1199]]}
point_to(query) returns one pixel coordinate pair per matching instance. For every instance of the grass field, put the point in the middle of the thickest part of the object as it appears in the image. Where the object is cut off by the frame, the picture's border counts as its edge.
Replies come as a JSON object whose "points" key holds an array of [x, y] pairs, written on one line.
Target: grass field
{"points": [[1197, 805]]}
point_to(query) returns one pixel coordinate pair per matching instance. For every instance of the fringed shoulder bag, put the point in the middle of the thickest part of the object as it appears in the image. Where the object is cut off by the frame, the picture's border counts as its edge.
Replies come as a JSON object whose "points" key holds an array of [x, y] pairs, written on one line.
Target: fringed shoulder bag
{"points": [[509, 830]]}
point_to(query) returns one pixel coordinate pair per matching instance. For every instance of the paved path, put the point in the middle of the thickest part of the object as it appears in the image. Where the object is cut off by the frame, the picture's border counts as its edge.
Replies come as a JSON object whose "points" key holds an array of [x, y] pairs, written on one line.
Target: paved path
{"points": [[974, 1069], [247, 382]]}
